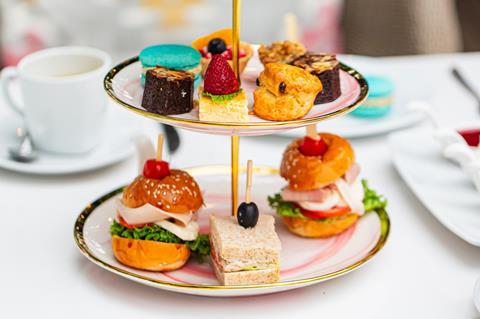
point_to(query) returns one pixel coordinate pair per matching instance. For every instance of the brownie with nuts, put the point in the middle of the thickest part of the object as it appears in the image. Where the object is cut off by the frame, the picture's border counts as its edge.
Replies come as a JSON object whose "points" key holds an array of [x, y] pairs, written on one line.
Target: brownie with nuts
{"points": [[326, 68], [168, 91]]}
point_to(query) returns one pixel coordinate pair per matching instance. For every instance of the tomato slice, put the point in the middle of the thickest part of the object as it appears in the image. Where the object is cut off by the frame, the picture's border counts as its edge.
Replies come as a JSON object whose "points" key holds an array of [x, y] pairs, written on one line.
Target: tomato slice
{"points": [[319, 214], [122, 222]]}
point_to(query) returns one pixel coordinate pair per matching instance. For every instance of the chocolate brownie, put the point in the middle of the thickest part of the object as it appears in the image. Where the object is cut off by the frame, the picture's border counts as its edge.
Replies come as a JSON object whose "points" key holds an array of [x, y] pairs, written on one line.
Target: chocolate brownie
{"points": [[326, 68], [168, 91]]}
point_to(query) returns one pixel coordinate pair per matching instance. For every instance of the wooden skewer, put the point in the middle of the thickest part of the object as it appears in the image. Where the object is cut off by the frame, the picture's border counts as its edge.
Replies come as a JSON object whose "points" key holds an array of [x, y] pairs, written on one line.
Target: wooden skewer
{"points": [[249, 181], [312, 132], [160, 147], [290, 25]]}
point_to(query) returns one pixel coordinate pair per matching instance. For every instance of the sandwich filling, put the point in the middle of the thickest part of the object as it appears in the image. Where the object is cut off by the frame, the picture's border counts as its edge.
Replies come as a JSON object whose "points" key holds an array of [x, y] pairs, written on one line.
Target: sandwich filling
{"points": [[182, 225], [347, 195], [148, 222]]}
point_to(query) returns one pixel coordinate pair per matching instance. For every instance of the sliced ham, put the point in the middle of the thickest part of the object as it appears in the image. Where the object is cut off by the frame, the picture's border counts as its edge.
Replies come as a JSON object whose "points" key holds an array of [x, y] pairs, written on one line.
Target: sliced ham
{"points": [[352, 173], [316, 195], [328, 203], [148, 213]]}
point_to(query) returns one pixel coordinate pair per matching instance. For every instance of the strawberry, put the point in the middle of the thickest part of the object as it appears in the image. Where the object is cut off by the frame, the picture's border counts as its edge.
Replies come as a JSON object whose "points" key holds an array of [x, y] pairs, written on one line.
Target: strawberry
{"points": [[227, 54], [219, 78]]}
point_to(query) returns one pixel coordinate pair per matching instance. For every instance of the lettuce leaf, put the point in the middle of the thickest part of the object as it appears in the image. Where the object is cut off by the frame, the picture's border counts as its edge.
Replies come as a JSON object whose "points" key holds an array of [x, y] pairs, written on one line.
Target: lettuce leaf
{"points": [[199, 246], [222, 98], [288, 209], [283, 208], [371, 200]]}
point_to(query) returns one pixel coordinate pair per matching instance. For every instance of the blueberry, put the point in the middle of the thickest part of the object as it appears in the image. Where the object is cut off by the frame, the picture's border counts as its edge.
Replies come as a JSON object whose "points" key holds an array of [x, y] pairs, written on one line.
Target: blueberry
{"points": [[257, 82], [282, 87], [247, 215], [216, 46]]}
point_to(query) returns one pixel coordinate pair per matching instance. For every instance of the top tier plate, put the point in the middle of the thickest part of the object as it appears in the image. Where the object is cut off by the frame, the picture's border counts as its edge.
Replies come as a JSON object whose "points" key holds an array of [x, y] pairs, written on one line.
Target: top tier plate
{"points": [[122, 84]]}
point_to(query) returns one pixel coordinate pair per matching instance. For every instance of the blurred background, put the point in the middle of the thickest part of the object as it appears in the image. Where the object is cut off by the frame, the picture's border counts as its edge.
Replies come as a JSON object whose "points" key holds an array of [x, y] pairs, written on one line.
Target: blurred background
{"points": [[124, 27]]}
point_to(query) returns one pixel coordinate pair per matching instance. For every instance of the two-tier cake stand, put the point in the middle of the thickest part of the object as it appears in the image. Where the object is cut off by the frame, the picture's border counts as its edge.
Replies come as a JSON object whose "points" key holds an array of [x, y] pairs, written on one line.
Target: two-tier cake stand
{"points": [[304, 261]]}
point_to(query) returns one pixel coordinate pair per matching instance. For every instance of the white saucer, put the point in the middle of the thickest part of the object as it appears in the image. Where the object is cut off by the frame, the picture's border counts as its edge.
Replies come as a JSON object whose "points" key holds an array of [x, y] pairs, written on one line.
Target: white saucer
{"points": [[441, 185], [115, 146]]}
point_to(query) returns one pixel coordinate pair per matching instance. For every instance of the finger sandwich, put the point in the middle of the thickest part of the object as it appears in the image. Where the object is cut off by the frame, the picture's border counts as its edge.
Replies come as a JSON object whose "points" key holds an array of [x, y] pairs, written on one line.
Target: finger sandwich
{"points": [[245, 256]]}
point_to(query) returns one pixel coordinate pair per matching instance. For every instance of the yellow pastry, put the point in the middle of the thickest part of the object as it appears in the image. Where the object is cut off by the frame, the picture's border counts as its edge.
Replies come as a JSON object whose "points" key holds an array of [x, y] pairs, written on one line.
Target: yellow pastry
{"points": [[285, 92]]}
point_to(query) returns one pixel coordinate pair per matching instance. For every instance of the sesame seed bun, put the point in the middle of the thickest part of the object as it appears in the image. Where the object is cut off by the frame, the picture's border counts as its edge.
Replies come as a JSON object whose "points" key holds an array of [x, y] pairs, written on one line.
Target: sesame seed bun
{"points": [[313, 172], [176, 193]]}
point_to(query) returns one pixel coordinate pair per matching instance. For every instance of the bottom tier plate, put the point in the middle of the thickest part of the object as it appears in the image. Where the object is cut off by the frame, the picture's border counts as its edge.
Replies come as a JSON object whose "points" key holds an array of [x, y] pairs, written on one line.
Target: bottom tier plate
{"points": [[303, 261]]}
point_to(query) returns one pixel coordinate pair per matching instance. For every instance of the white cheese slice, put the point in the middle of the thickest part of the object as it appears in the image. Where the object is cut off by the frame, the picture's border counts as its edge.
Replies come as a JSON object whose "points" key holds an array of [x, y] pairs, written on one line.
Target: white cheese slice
{"points": [[352, 194], [187, 233]]}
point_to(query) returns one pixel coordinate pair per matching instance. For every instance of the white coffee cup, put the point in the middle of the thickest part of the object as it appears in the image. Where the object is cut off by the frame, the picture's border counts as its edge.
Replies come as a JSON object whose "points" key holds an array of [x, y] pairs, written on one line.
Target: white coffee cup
{"points": [[64, 104]]}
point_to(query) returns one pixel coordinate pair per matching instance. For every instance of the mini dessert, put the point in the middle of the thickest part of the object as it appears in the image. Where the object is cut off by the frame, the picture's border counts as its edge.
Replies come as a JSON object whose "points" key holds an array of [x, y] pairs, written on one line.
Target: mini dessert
{"points": [[280, 52], [326, 68], [221, 99], [285, 92], [168, 91], [380, 98], [220, 42], [172, 56], [324, 195], [245, 250], [155, 227]]}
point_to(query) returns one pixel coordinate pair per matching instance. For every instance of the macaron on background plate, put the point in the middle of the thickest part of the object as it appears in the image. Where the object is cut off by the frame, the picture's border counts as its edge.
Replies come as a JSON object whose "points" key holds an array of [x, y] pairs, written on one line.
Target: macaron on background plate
{"points": [[173, 56], [380, 98]]}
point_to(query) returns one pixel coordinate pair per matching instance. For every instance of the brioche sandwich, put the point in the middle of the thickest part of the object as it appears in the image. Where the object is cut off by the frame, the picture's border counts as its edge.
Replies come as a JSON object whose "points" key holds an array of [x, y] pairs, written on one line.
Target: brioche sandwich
{"points": [[245, 256]]}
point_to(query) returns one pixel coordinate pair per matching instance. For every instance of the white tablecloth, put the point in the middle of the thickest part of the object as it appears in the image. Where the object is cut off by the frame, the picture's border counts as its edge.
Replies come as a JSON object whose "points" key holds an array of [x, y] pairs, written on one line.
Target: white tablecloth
{"points": [[424, 271]]}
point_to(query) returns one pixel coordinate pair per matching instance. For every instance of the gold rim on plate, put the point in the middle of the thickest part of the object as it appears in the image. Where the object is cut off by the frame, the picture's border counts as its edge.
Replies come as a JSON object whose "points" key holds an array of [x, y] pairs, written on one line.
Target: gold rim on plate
{"points": [[208, 170], [108, 86]]}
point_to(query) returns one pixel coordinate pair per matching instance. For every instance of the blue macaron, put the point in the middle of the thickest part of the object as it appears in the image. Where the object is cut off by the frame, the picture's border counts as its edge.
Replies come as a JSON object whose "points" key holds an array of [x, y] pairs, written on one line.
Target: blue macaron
{"points": [[380, 98], [173, 56]]}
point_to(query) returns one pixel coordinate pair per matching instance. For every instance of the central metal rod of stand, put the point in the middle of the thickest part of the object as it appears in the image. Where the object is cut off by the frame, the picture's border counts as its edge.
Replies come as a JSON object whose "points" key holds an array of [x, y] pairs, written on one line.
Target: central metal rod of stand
{"points": [[235, 148], [235, 140]]}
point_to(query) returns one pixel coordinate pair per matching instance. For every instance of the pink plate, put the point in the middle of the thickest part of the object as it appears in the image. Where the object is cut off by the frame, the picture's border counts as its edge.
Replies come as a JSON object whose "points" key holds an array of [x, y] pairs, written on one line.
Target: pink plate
{"points": [[122, 84], [303, 261]]}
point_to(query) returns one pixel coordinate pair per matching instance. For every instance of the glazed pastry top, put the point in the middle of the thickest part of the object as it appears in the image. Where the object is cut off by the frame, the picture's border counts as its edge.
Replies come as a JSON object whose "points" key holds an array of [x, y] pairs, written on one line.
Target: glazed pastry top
{"points": [[281, 51], [281, 79], [171, 74], [316, 63]]}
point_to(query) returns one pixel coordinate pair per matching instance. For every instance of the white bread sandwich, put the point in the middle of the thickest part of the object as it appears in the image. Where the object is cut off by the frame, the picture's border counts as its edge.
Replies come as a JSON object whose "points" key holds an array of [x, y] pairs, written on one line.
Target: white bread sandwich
{"points": [[245, 256]]}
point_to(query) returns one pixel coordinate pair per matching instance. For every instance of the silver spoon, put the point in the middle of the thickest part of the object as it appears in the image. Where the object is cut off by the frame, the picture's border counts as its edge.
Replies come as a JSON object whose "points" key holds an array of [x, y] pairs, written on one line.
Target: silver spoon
{"points": [[25, 151]]}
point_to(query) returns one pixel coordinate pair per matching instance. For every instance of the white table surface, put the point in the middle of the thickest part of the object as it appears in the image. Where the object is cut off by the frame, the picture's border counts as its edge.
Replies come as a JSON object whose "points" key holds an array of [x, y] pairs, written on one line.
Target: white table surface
{"points": [[424, 271]]}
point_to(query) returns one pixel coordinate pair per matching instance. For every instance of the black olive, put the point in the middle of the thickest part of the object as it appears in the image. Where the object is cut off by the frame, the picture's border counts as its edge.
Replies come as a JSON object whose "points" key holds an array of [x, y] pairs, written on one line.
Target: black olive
{"points": [[258, 82], [247, 214], [282, 87]]}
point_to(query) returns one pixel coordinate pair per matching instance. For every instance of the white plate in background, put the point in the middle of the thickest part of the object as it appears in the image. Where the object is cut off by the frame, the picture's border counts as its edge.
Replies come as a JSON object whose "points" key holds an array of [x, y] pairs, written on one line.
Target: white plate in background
{"points": [[441, 185]]}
